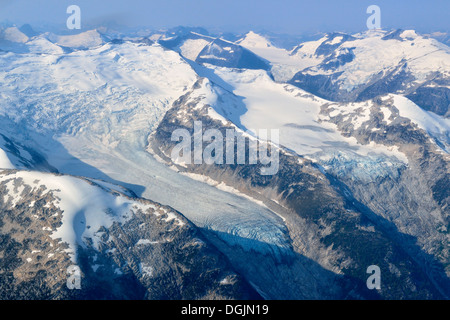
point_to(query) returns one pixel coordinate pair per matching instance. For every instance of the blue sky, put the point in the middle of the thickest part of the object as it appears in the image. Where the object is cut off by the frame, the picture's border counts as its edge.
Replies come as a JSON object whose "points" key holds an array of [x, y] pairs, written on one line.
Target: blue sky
{"points": [[282, 16]]}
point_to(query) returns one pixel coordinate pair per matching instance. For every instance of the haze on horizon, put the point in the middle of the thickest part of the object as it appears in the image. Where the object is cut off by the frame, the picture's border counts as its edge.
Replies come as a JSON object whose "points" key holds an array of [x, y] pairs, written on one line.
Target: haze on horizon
{"points": [[284, 16]]}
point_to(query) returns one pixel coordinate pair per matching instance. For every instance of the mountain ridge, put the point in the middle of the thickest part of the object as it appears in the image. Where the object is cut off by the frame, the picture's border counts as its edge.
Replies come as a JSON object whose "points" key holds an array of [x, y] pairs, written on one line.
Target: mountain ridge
{"points": [[363, 176]]}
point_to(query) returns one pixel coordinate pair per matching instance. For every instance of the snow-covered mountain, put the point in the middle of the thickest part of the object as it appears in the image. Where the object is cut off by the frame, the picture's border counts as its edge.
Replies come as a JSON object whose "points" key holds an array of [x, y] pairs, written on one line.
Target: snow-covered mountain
{"points": [[363, 170], [360, 144], [343, 67], [362, 66], [205, 49], [83, 40], [285, 63], [362, 164], [443, 37], [125, 248]]}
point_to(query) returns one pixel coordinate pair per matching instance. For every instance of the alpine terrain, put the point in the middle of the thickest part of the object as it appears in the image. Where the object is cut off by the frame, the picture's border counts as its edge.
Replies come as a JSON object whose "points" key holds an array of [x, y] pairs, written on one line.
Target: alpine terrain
{"points": [[94, 205]]}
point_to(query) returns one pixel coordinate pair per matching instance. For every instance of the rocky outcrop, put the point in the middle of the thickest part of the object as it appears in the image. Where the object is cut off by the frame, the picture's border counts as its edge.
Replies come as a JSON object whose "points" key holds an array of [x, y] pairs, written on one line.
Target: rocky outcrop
{"points": [[413, 197], [154, 254], [333, 236], [227, 54]]}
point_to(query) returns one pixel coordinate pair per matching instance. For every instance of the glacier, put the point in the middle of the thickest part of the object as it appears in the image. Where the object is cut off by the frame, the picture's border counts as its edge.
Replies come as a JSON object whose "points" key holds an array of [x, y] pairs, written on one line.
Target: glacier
{"points": [[93, 110]]}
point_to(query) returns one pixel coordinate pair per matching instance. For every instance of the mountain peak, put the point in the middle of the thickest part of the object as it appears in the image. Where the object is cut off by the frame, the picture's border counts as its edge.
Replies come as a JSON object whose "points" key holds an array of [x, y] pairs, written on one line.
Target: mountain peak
{"points": [[255, 40], [13, 34], [87, 39]]}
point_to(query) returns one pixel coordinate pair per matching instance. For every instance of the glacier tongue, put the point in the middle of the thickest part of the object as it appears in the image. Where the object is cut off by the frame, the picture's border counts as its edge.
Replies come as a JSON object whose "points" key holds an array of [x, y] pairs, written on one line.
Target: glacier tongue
{"points": [[93, 112], [214, 209]]}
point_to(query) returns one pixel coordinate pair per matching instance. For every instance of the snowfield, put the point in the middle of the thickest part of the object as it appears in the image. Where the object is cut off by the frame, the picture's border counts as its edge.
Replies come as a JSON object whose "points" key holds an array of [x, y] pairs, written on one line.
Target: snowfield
{"points": [[296, 113], [86, 39], [285, 64], [430, 122], [374, 52], [83, 106], [92, 112]]}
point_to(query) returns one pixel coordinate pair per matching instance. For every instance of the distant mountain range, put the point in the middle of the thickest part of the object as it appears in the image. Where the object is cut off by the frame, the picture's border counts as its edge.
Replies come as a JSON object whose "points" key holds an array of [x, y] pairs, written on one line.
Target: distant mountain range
{"points": [[87, 177]]}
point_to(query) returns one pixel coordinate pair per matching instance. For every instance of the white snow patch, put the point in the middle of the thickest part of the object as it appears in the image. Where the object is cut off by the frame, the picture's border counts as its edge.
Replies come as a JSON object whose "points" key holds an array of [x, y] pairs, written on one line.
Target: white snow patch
{"points": [[146, 270], [172, 216], [143, 242], [297, 117], [85, 207], [13, 34], [213, 57], [285, 65], [228, 280], [86, 39], [428, 121], [5, 163], [336, 40], [191, 48], [386, 114]]}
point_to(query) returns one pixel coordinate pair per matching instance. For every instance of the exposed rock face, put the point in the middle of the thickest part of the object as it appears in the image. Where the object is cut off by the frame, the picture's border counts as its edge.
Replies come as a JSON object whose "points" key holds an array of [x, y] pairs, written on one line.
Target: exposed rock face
{"points": [[310, 231], [226, 54], [330, 230], [415, 197], [433, 98], [433, 95], [204, 49], [153, 254]]}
